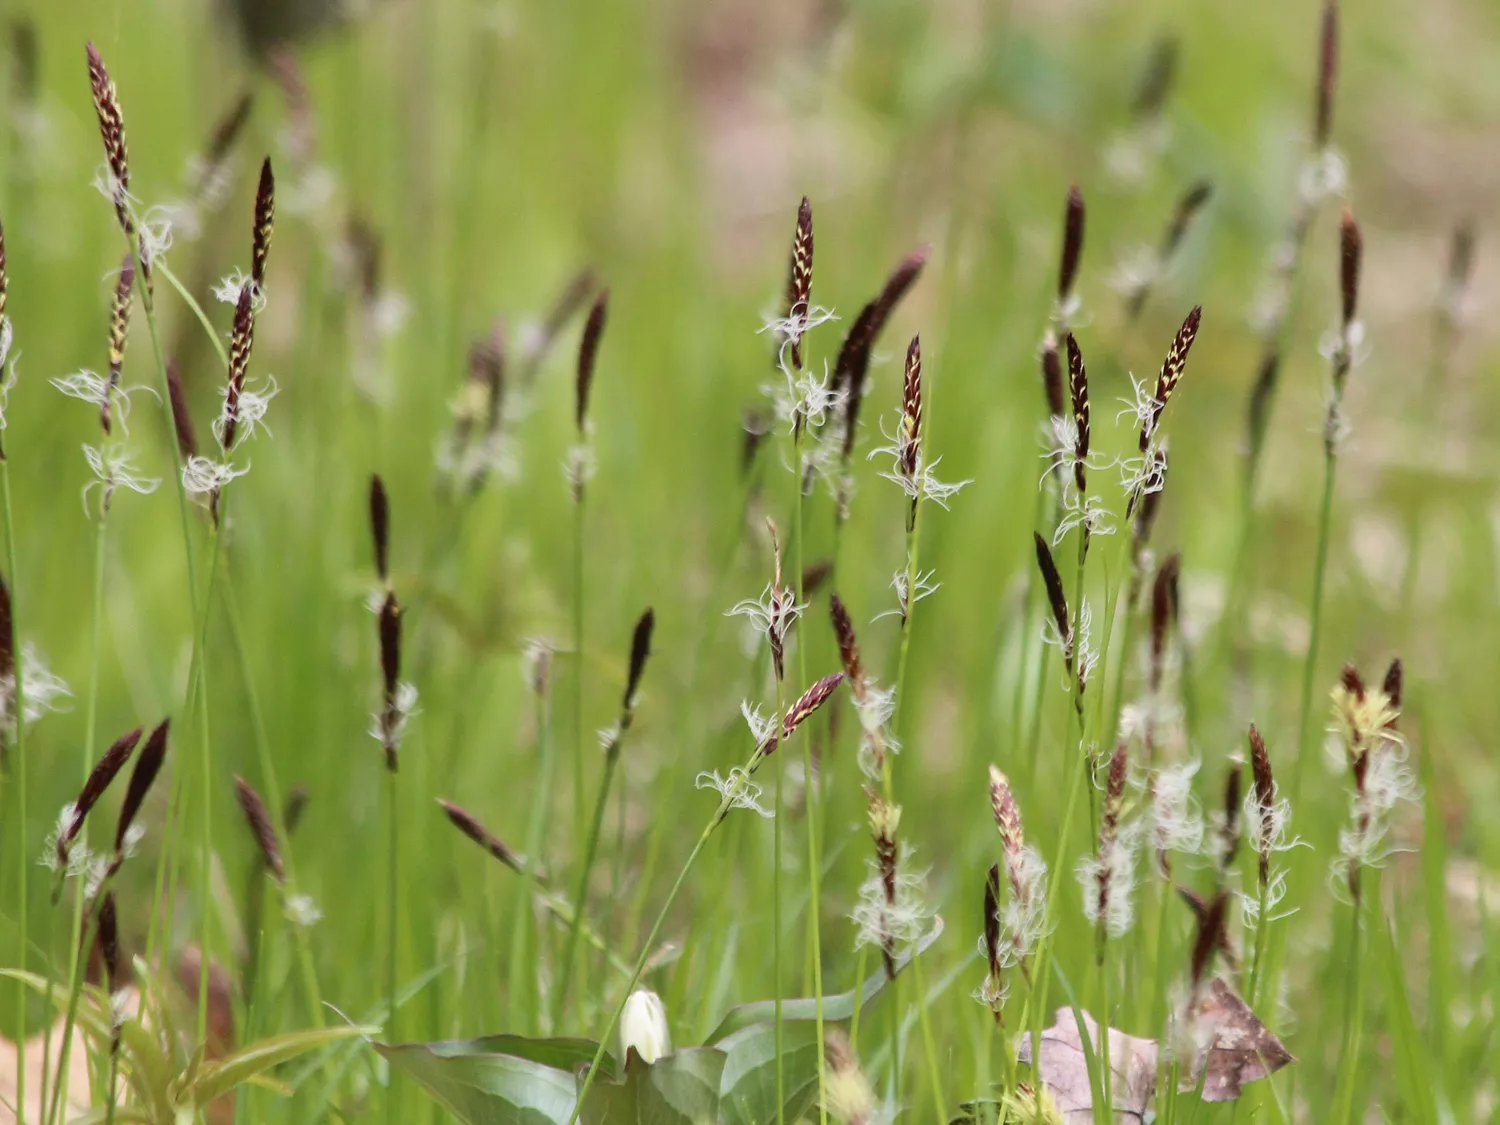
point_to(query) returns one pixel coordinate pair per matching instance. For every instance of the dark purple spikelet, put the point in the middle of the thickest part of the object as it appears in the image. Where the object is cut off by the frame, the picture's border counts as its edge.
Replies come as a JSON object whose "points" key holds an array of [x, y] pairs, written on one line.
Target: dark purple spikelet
{"points": [[1161, 616], [467, 823], [799, 280], [1231, 827], [119, 330], [182, 419], [909, 435], [805, 707], [261, 827], [588, 352], [640, 651], [843, 631], [241, 338], [1351, 251], [147, 765], [1353, 682], [573, 298], [1078, 389], [1328, 71], [1171, 372], [107, 942], [1210, 938], [1156, 79], [380, 528], [220, 141], [1056, 598], [390, 646], [265, 222], [992, 925], [1393, 683], [112, 132], [1052, 380], [94, 785], [1072, 245], [1265, 800], [853, 361]]}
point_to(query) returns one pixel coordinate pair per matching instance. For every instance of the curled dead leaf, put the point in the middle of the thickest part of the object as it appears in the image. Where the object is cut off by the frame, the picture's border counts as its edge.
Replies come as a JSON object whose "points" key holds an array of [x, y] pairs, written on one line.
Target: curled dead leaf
{"points": [[1063, 1069], [1238, 1047]]}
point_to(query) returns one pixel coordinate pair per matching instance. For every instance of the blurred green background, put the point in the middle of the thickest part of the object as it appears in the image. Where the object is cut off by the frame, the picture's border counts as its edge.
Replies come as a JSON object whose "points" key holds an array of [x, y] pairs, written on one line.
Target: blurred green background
{"points": [[493, 150]]}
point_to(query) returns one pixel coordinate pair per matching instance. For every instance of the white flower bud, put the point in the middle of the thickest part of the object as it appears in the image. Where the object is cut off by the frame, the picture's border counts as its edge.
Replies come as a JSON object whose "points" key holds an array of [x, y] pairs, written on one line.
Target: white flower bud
{"points": [[643, 1025]]}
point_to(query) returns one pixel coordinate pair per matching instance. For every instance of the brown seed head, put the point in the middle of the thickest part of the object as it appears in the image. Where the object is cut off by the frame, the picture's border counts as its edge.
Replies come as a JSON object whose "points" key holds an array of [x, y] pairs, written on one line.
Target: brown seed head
{"points": [[799, 278], [94, 785], [910, 435], [588, 352], [1351, 250], [853, 361], [1171, 372], [1007, 816], [1114, 791], [1161, 615], [1055, 596], [467, 823], [147, 765], [1230, 837], [1265, 800], [260, 827], [390, 645], [1394, 679], [1052, 381], [119, 329], [1211, 936], [992, 920], [843, 631], [1078, 389], [265, 222], [1156, 79], [107, 942], [802, 710], [241, 338], [1328, 68], [182, 420], [112, 132], [640, 649], [1353, 682], [1072, 245], [380, 527]]}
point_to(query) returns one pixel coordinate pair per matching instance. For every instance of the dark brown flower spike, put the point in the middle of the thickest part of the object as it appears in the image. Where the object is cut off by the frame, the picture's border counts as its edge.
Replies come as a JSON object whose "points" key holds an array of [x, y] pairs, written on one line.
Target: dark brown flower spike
{"points": [[1162, 612], [1230, 829], [94, 785], [640, 650], [390, 669], [220, 141], [884, 820], [1265, 800], [182, 420], [467, 823], [588, 352], [802, 710], [1199, 906], [573, 297], [1072, 245], [119, 329], [1211, 936], [1328, 69], [265, 222], [1171, 372], [1078, 390], [241, 338], [261, 827], [854, 356], [1056, 598], [112, 132], [147, 765], [1156, 79], [1351, 250], [1109, 823], [843, 631], [909, 435], [799, 280], [380, 528], [1394, 681], [992, 928], [107, 943], [1052, 380]]}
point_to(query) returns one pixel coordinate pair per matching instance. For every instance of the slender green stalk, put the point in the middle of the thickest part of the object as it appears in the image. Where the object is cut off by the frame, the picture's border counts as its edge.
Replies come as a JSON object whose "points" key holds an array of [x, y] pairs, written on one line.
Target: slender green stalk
{"points": [[1315, 629], [935, 1074], [206, 794], [776, 865], [578, 522], [725, 803], [18, 715], [523, 920], [580, 900], [1344, 1094], [392, 972]]}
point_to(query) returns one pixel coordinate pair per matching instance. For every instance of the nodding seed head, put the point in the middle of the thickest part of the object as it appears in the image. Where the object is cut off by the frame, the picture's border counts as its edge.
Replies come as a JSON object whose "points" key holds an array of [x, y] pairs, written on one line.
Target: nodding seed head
{"points": [[380, 527], [112, 132], [94, 785], [1171, 371], [1351, 250], [588, 353], [147, 765], [261, 827], [640, 650], [1072, 246], [843, 631], [1211, 936], [467, 823], [853, 361], [182, 420], [802, 710]]}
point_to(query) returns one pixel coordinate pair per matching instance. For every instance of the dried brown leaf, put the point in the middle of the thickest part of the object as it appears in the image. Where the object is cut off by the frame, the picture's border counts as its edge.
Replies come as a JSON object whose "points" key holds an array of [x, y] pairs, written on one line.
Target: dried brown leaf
{"points": [[1240, 1048], [1064, 1069]]}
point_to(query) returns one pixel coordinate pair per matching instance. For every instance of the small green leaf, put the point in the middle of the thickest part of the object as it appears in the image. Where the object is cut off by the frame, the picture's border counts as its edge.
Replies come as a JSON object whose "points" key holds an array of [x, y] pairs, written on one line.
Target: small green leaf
{"points": [[562, 1054], [218, 1078], [680, 1089], [836, 1009], [488, 1089], [747, 1089]]}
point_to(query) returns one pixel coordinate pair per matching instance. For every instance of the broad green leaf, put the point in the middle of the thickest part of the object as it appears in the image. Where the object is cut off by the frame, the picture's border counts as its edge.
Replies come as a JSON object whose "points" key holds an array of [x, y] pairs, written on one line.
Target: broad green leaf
{"points": [[490, 1089], [680, 1089], [218, 1078], [562, 1054], [836, 1008], [747, 1090], [1414, 1070]]}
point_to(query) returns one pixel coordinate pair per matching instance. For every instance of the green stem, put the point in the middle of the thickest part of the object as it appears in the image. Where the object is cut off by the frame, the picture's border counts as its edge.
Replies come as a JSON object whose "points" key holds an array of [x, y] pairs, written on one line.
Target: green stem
{"points": [[929, 1044], [725, 804], [524, 919], [392, 974], [578, 800], [1315, 616], [580, 900], [776, 865], [18, 715]]}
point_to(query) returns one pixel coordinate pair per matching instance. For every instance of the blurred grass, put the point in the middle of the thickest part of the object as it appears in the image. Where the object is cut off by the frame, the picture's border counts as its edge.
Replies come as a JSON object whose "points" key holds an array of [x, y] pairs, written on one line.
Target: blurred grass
{"points": [[497, 148]]}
